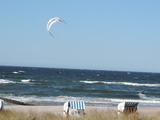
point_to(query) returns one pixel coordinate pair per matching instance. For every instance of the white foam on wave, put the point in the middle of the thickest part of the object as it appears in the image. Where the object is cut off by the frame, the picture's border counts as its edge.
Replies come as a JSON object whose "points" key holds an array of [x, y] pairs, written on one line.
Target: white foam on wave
{"points": [[136, 100], [26, 81], [139, 84], [15, 72], [94, 100], [90, 82], [90, 100], [3, 81], [105, 100], [144, 97], [122, 83]]}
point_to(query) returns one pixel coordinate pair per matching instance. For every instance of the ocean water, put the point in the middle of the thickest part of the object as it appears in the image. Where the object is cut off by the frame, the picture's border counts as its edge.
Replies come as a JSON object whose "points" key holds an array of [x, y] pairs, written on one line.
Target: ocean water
{"points": [[51, 86]]}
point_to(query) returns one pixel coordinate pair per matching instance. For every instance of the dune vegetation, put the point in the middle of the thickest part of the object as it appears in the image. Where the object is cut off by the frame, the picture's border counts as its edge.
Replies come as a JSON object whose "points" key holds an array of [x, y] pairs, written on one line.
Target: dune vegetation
{"points": [[95, 115]]}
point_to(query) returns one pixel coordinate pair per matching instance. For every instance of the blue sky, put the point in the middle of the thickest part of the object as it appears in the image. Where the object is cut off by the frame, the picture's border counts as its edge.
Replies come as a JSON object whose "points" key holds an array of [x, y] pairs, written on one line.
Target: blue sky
{"points": [[105, 35]]}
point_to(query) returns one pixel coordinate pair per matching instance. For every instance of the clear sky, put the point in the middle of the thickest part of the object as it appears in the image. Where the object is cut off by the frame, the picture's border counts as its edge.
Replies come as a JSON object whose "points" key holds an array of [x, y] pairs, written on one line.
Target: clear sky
{"points": [[100, 34]]}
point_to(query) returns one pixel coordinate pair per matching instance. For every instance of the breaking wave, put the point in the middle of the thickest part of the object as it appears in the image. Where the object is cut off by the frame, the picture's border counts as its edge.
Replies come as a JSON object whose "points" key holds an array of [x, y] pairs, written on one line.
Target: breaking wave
{"points": [[144, 97], [16, 72], [121, 83], [3, 81], [89, 100], [26, 81]]}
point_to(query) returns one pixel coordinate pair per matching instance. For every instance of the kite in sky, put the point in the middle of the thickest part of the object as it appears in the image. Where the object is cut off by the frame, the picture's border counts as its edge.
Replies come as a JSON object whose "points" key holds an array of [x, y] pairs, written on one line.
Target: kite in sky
{"points": [[51, 22]]}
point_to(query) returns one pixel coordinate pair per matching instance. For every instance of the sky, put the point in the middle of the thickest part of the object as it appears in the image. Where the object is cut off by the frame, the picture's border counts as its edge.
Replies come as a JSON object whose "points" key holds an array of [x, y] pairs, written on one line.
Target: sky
{"points": [[121, 35]]}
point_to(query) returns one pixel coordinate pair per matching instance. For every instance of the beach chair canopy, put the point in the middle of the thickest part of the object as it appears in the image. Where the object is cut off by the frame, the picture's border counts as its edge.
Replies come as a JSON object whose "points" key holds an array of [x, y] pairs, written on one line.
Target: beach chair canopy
{"points": [[128, 106], [131, 104], [77, 104]]}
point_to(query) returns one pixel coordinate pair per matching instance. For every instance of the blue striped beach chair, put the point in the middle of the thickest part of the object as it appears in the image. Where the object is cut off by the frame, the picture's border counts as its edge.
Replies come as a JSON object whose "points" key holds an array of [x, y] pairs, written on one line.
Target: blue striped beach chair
{"points": [[74, 108], [128, 107]]}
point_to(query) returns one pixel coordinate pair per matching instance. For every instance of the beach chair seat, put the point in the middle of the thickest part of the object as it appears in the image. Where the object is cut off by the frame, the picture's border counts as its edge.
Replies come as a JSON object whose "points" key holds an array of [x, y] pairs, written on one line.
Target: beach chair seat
{"points": [[127, 107], [73, 108]]}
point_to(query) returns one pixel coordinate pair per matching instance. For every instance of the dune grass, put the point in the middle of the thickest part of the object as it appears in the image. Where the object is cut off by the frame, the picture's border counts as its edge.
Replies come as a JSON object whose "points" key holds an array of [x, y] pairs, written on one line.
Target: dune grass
{"points": [[95, 115]]}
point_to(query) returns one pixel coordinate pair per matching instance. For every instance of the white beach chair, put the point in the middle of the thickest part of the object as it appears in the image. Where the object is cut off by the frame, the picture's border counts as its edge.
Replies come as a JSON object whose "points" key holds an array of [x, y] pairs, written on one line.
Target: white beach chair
{"points": [[127, 107], [73, 108], [1, 104]]}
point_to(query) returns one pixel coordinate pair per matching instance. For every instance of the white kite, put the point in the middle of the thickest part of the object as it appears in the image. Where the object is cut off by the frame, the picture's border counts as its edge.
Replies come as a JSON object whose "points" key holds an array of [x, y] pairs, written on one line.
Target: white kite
{"points": [[51, 22]]}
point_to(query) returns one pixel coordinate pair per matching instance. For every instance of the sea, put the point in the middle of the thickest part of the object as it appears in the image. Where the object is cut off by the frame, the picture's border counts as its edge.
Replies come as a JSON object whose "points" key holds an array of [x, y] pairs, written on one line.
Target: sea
{"points": [[54, 86]]}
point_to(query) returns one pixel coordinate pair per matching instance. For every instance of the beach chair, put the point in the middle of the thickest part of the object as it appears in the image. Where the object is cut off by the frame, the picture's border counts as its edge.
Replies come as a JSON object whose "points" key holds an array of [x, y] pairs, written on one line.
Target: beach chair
{"points": [[73, 108], [1, 104], [127, 107]]}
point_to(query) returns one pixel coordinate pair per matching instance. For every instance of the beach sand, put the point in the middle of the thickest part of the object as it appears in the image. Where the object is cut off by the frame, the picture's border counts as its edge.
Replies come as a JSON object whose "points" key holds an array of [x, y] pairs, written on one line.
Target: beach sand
{"points": [[147, 111]]}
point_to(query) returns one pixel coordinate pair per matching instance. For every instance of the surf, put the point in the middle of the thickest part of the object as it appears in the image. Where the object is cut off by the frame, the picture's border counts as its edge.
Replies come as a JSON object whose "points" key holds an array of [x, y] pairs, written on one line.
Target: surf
{"points": [[121, 83], [4, 81]]}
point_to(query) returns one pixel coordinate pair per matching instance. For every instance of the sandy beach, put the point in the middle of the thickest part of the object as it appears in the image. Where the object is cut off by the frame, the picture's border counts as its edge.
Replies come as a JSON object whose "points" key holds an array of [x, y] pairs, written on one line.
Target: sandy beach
{"points": [[147, 111]]}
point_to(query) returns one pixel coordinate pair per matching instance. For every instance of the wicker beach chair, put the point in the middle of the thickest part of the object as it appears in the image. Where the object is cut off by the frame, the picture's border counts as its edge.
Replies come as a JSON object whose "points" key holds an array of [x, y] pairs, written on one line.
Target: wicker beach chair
{"points": [[127, 107], [1, 104], [73, 108]]}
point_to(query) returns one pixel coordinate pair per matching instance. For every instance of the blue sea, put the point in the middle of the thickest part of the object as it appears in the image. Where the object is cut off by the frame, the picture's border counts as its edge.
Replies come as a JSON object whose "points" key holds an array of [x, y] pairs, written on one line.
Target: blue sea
{"points": [[53, 86]]}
